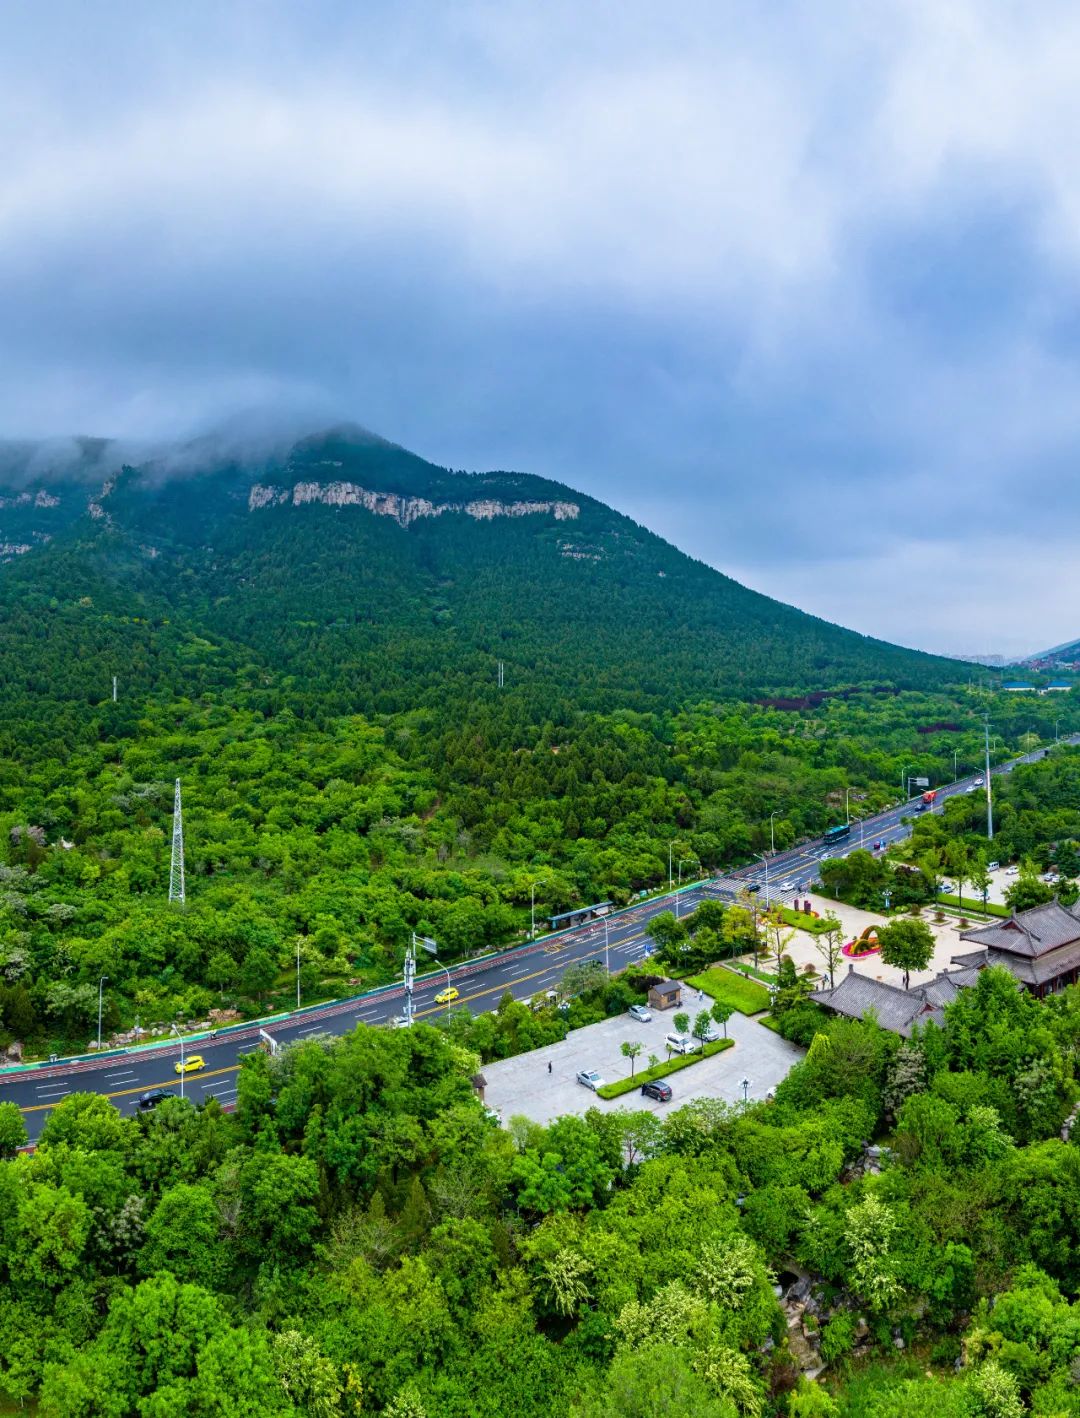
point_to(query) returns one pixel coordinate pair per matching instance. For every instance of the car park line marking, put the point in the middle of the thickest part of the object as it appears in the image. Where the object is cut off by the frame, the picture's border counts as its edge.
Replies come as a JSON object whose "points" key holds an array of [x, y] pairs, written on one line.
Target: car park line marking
{"points": [[127, 1092]]}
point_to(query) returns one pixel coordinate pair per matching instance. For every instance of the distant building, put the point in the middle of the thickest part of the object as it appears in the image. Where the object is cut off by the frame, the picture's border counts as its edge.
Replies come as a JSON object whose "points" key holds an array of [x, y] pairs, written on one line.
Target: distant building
{"points": [[1040, 947], [1058, 686], [1017, 686]]}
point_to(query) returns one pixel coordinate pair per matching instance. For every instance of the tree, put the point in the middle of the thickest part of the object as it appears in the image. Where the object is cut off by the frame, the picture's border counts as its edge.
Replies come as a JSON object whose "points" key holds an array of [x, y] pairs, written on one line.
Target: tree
{"points": [[956, 855], [631, 1049], [906, 944], [581, 978], [1028, 890], [259, 973], [220, 971], [979, 874], [681, 1022], [702, 1027], [721, 1013], [829, 944], [13, 1134]]}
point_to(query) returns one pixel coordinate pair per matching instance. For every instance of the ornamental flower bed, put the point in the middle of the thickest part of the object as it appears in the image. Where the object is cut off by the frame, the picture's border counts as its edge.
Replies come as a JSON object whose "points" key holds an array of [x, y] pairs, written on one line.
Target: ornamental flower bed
{"points": [[867, 944]]}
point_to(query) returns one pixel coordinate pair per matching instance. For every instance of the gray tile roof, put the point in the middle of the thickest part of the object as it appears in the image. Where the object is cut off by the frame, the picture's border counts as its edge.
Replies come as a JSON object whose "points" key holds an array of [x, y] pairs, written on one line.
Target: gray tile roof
{"points": [[1029, 933], [894, 1009]]}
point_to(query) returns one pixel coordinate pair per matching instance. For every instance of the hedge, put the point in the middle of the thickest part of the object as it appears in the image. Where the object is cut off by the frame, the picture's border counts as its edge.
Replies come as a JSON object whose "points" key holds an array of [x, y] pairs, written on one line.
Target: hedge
{"points": [[974, 905], [746, 996], [626, 1085]]}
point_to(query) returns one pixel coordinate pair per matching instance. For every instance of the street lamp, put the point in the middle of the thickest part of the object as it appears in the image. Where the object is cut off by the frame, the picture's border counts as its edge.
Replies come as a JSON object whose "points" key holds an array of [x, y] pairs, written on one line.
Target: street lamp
{"points": [[532, 906], [670, 878], [682, 863], [772, 831], [955, 754], [181, 1038], [101, 986], [746, 1090], [764, 858], [847, 806], [607, 943], [1056, 723], [298, 972], [904, 789], [448, 982]]}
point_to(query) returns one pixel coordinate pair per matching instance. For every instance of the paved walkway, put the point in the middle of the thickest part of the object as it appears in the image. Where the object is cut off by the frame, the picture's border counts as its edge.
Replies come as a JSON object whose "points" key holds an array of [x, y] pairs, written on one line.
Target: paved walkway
{"points": [[803, 951]]}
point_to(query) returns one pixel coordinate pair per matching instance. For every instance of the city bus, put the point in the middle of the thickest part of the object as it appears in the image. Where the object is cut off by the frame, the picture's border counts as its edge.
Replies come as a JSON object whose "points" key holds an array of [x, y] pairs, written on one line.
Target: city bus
{"points": [[834, 834]]}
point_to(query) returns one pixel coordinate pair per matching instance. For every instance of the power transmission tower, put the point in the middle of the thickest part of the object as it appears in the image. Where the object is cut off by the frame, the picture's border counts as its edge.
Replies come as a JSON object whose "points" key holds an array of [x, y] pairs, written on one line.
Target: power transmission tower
{"points": [[176, 870]]}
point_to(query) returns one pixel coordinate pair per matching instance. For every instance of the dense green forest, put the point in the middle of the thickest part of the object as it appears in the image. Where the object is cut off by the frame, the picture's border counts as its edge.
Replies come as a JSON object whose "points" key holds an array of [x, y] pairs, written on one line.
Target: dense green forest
{"points": [[323, 682], [361, 1238]]}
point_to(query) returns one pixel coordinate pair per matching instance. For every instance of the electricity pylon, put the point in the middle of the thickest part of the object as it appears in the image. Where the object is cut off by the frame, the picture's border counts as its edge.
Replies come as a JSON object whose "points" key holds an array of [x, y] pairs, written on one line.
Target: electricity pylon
{"points": [[176, 870]]}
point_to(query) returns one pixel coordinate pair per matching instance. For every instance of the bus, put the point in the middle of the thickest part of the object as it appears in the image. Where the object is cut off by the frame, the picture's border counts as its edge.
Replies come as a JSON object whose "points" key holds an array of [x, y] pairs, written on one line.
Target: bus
{"points": [[834, 834]]}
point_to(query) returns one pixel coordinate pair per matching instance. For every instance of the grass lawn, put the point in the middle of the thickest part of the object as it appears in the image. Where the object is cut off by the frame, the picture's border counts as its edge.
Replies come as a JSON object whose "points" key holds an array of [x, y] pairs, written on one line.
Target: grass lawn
{"points": [[680, 1061], [754, 972], [747, 996]]}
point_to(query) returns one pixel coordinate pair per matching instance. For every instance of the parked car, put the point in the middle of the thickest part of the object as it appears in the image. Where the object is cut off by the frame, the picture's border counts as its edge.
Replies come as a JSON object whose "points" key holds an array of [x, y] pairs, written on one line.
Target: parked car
{"points": [[680, 1043], [948, 887], [589, 1078], [153, 1098], [993, 866], [1012, 871], [640, 1013], [658, 1089], [192, 1064], [710, 1036]]}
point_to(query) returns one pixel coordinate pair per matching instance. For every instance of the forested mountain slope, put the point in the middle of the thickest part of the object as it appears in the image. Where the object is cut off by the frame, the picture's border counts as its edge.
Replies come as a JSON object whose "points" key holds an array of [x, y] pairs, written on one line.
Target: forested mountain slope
{"points": [[388, 582]]}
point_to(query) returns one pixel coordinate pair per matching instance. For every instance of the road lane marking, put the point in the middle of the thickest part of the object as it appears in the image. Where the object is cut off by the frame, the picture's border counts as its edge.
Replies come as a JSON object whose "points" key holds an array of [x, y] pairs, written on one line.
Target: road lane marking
{"points": [[127, 1092]]}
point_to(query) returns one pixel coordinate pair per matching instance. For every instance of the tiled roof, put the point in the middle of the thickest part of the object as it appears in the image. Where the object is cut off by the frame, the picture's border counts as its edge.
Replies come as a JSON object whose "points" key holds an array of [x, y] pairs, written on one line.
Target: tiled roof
{"points": [[895, 1009], [1029, 933]]}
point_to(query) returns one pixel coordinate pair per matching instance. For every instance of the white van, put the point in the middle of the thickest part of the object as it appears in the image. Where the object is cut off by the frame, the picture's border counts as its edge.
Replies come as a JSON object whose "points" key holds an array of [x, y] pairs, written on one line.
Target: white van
{"points": [[680, 1043]]}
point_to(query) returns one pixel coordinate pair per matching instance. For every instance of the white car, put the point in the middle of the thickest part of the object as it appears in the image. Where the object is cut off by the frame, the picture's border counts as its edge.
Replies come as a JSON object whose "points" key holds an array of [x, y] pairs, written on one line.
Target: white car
{"points": [[589, 1078], [1012, 871], [678, 1044], [788, 886], [640, 1013], [993, 866], [712, 1034]]}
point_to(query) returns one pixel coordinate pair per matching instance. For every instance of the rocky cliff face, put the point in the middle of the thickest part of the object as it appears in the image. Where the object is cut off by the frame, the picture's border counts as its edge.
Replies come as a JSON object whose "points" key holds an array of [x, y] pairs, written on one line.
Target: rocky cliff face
{"points": [[404, 510]]}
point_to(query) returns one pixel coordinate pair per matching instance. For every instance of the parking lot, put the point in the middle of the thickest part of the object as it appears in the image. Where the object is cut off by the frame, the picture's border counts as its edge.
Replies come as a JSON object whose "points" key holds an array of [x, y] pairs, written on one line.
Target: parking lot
{"points": [[523, 1085]]}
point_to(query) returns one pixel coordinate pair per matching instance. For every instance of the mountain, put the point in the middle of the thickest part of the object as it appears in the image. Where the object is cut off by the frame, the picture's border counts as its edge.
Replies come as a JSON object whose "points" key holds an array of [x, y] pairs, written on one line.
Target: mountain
{"points": [[352, 566]]}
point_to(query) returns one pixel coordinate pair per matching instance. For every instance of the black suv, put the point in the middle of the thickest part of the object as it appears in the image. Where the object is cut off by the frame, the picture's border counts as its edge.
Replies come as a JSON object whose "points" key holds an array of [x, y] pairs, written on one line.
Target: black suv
{"points": [[153, 1098], [657, 1089]]}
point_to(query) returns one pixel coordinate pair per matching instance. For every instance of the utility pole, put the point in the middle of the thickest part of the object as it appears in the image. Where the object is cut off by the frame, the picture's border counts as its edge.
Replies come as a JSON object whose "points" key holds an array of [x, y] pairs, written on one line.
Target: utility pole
{"points": [[298, 972], [847, 806], [607, 957], [410, 976], [101, 986], [502, 674], [765, 859], [532, 907], [114, 689], [176, 868], [989, 794], [670, 876]]}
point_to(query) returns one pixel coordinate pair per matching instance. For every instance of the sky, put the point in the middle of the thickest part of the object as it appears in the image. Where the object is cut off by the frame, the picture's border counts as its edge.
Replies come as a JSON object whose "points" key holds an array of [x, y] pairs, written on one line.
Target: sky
{"points": [[797, 286]]}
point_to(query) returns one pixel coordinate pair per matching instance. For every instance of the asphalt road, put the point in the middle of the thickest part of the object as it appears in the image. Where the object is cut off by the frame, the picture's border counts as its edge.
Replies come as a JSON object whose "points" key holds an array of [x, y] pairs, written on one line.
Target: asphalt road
{"points": [[524, 971]]}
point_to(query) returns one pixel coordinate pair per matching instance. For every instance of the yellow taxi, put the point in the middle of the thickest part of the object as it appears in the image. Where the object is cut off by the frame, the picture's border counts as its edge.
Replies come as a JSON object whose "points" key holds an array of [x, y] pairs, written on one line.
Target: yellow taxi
{"points": [[192, 1064], [447, 995]]}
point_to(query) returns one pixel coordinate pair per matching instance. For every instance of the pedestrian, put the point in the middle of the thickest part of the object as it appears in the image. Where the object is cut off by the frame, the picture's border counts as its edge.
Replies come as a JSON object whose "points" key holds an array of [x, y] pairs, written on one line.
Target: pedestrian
{"points": [[549, 1065]]}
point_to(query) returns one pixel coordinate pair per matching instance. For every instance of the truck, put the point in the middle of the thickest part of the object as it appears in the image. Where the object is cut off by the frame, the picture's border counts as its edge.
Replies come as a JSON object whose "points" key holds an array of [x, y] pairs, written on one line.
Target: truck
{"points": [[928, 800]]}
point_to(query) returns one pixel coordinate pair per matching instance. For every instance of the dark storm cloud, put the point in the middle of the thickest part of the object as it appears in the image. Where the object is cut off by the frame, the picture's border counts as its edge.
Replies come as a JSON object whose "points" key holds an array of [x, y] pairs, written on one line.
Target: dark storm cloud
{"points": [[802, 297]]}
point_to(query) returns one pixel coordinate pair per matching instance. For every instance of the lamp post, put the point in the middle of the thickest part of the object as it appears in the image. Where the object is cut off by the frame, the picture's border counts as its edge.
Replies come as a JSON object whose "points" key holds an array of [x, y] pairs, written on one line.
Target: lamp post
{"points": [[746, 1090], [607, 943], [955, 754], [181, 1038], [101, 986], [678, 898], [904, 782], [532, 906], [298, 972], [1056, 723], [670, 877], [765, 859], [772, 830], [847, 806], [448, 982]]}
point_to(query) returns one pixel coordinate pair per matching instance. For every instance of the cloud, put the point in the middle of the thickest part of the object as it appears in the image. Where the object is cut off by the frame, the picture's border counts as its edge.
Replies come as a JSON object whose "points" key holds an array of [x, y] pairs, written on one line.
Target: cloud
{"points": [[817, 281]]}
